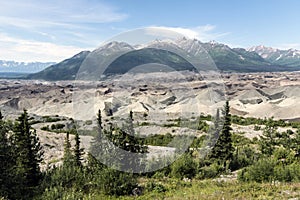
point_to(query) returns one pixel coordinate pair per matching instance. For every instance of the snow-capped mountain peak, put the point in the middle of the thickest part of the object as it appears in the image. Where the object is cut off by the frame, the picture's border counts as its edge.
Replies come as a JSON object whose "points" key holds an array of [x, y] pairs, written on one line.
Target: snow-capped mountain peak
{"points": [[277, 56], [23, 67]]}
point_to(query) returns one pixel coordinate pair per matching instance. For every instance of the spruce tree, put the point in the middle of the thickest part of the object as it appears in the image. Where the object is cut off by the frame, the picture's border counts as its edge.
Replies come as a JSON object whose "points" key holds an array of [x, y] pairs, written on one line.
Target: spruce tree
{"points": [[68, 159], [98, 149], [96, 146], [78, 152], [222, 151], [133, 143], [125, 138], [28, 156], [7, 171]]}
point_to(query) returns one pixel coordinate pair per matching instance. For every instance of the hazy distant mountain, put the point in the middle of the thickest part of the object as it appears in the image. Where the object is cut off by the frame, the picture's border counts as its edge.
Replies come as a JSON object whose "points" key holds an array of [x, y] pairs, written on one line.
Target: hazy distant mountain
{"points": [[167, 53], [65, 70], [289, 57], [23, 67], [234, 59]]}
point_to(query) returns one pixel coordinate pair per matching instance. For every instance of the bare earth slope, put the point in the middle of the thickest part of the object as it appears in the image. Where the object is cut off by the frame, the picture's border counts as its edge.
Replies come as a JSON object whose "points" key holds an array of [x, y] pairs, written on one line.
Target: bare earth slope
{"points": [[258, 95]]}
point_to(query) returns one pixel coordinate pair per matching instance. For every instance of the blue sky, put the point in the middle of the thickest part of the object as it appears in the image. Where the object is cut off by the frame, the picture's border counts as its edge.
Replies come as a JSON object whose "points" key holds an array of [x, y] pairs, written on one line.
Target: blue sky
{"points": [[35, 30]]}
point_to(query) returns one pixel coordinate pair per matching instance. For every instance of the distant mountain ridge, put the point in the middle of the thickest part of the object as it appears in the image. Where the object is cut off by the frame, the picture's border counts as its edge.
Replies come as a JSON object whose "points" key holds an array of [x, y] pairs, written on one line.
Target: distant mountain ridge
{"points": [[65, 70], [23, 67], [290, 57], [256, 59]]}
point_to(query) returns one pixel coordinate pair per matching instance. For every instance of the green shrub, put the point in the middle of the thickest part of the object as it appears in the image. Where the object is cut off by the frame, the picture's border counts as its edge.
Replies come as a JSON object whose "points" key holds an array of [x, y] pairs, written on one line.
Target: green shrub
{"points": [[203, 126], [295, 171], [152, 186], [283, 173], [145, 115], [171, 125], [257, 128], [69, 177], [113, 182], [50, 119], [57, 126], [206, 118], [89, 122], [198, 141], [161, 163], [45, 128], [261, 171], [281, 153], [184, 167], [287, 173], [159, 140], [210, 171], [144, 124], [59, 192], [243, 157]]}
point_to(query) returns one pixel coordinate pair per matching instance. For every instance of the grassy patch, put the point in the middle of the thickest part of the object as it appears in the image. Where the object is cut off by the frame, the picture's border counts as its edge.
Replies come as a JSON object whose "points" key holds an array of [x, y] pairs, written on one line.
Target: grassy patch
{"points": [[210, 189]]}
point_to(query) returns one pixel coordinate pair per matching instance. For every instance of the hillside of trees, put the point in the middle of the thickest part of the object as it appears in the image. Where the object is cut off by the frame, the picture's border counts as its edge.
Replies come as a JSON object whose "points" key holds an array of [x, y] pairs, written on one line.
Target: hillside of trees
{"points": [[265, 166]]}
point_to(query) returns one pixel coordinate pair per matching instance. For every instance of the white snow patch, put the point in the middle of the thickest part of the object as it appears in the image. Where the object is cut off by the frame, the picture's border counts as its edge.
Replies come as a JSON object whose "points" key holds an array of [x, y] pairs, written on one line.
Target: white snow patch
{"points": [[279, 57]]}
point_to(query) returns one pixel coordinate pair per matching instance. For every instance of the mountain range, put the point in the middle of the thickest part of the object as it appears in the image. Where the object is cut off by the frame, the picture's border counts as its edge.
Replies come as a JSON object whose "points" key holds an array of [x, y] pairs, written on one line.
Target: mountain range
{"points": [[290, 57], [23, 67], [254, 59]]}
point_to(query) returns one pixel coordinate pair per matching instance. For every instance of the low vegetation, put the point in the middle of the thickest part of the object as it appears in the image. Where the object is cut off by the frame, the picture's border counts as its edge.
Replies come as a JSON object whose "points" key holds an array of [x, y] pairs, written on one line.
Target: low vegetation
{"points": [[218, 165]]}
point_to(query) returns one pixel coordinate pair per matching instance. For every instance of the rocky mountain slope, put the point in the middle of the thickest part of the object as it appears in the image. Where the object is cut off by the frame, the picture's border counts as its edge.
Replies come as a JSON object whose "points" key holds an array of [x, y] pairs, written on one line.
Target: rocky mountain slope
{"points": [[163, 52], [290, 57], [65, 70]]}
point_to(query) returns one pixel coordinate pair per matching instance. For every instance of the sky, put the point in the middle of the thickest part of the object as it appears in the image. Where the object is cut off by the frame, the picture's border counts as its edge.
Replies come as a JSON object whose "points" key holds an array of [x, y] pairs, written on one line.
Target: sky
{"points": [[53, 30]]}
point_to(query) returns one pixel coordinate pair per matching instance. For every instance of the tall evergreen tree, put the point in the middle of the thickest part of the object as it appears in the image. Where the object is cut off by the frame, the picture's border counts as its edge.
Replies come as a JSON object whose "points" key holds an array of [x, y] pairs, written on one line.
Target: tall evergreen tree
{"points": [[7, 175], [98, 139], [133, 143], [105, 147], [125, 138], [99, 146], [68, 159], [28, 156], [108, 142], [222, 151], [78, 151]]}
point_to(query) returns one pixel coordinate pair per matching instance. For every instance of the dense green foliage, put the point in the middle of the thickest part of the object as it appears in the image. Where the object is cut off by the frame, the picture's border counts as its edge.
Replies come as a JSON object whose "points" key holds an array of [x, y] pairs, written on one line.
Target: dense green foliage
{"points": [[258, 121], [7, 180], [159, 140], [279, 156], [21, 153], [222, 151]]}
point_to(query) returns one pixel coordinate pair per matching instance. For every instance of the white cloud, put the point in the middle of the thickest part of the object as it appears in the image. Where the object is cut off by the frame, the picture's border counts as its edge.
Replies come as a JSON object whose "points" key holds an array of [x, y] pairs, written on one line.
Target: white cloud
{"points": [[202, 33], [36, 13], [26, 50], [35, 30], [290, 46]]}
